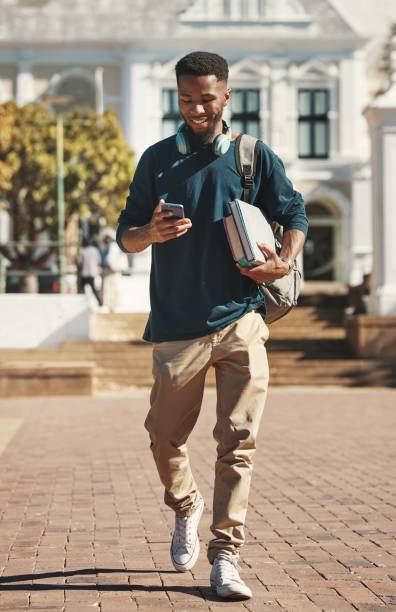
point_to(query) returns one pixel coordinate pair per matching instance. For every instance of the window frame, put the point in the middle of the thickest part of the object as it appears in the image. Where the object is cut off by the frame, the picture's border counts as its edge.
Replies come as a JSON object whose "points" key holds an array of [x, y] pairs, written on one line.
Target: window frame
{"points": [[312, 119], [171, 115], [245, 116]]}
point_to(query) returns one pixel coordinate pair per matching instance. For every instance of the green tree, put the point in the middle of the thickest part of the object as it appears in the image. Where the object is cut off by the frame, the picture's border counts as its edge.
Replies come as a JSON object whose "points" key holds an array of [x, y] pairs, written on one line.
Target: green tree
{"points": [[98, 168]]}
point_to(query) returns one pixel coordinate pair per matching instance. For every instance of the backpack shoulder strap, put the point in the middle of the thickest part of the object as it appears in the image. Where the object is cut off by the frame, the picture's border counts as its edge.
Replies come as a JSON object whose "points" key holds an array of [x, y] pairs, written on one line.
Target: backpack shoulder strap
{"points": [[246, 160]]}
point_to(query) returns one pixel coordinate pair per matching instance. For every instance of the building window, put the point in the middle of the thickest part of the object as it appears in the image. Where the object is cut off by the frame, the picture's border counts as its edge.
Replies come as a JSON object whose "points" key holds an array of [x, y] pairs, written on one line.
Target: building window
{"points": [[170, 109], [313, 124], [245, 111]]}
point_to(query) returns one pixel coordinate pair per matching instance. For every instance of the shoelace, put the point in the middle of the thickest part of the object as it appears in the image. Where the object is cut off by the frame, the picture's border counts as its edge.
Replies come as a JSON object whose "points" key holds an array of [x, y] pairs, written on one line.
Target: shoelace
{"points": [[226, 568], [183, 532]]}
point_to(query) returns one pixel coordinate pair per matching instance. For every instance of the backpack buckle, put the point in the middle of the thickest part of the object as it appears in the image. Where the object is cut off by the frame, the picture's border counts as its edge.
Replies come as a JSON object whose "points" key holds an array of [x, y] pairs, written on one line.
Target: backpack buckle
{"points": [[248, 181]]}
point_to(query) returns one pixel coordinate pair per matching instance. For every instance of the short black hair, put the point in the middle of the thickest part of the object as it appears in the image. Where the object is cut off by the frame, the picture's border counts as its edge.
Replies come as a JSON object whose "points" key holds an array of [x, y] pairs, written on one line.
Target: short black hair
{"points": [[202, 63]]}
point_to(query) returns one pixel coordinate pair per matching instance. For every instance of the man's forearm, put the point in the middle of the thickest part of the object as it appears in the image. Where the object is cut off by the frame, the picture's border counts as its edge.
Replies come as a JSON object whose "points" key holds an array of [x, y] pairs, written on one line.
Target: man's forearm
{"points": [[292, 243], [136, 239]]}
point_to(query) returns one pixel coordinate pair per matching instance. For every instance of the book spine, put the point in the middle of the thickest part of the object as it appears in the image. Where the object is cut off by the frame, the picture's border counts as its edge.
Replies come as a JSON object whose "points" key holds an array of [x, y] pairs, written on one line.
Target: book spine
{"points": [[229, 238], [247, 247]]}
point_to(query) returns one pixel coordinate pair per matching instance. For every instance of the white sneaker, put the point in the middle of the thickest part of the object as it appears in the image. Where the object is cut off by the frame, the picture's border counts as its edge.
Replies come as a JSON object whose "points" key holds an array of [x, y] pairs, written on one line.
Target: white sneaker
{"points": [[225, 579], [185, 542]]}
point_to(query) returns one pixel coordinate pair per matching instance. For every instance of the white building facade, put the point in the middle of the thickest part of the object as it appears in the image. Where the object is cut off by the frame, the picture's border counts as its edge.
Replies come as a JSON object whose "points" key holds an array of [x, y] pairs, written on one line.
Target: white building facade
{"points": [[300, 70]]}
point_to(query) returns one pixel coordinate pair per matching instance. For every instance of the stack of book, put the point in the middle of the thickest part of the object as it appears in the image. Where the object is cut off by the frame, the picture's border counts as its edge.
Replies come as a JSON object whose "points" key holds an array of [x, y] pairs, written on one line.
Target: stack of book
{"points": [[245, 226]]}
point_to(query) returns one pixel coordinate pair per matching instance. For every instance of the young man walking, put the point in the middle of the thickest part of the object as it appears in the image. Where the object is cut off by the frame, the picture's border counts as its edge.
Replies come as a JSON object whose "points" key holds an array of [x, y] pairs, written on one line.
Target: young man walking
{"points": [[205, 311]]}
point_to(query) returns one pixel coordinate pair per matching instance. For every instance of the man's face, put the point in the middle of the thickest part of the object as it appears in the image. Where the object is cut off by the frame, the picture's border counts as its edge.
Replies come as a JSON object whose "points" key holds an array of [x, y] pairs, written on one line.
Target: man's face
{"points": [[201, 102]]}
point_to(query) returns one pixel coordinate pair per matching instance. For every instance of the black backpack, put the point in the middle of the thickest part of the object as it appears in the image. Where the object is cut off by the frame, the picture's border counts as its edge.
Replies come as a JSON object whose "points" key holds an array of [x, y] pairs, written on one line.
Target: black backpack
{"points": [[280, 295]]}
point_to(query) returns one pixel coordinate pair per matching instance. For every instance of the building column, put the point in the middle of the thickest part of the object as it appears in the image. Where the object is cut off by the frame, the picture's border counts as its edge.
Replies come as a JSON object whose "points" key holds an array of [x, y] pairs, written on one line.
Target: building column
{"points": [[381, 117], [361, 243], [362, 99], [135, 104], [126, 99], [264, 112], [353, 98], [136, 125], [333, 117], [99, 90], [155, 119], [235, 12], [280, 111], [347, 109], [24, 93]]}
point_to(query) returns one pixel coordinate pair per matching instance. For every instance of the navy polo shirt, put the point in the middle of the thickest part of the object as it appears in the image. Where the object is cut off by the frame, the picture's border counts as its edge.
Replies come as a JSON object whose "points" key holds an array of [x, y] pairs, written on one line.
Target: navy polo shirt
{"points": [[195, 286]]}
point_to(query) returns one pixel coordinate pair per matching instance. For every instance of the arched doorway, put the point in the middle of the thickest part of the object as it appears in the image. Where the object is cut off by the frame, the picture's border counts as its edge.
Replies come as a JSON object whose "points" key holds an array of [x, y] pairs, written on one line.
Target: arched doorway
{"points": [[320, 249], [80, 90]]}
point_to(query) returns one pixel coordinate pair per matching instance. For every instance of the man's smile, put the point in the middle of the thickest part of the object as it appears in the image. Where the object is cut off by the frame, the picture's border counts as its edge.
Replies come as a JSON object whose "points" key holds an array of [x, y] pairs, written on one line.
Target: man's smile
{"points": [[198, 121]]}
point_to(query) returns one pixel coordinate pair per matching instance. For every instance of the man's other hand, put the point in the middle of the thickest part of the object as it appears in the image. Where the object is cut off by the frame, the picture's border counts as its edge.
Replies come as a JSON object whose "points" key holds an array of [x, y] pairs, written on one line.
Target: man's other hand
{"points": [[272, 269], [163, 226]]}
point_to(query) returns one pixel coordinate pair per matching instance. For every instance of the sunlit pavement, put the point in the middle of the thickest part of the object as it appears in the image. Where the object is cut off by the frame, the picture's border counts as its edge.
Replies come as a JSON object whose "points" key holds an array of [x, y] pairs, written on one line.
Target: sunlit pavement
{"points": [[83, 524]]}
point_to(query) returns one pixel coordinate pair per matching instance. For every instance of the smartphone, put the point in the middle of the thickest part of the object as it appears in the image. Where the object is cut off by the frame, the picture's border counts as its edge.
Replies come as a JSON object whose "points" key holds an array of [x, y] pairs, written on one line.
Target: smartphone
{"points": [[176, 209]]}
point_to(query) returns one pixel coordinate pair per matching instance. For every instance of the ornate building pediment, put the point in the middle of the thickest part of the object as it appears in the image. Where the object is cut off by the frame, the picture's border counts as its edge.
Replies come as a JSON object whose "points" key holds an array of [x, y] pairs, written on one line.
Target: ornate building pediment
{"points": [[223, 11], [319, 18], [248, 69], [109, 22], [314, 69]]}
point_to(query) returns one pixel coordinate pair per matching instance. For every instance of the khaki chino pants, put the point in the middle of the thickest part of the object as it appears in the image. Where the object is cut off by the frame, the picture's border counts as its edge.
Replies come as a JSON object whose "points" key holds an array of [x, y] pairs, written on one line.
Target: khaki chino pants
{"points": [[239, 357]]}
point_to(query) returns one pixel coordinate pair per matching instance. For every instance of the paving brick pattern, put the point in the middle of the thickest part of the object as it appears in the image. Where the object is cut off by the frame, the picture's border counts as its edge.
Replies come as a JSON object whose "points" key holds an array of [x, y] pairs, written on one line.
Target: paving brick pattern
{"points": [[83, 525]]}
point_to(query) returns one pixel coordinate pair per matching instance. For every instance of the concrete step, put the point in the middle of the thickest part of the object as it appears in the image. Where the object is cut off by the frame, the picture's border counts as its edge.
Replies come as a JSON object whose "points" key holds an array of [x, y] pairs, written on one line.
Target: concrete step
{"points": [[274, 343], [285, 371], [121, 327], [42, 378], [141, 353], [307, 347], [380, 378]]}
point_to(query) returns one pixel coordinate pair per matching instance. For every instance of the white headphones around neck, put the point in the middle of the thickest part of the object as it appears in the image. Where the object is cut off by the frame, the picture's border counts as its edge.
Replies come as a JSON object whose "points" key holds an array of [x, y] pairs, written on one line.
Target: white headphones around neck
{"points": [[220, 145]]}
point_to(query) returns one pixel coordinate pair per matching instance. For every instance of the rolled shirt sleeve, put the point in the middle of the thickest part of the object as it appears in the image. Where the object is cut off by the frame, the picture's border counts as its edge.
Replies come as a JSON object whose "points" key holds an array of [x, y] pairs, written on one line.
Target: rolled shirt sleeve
{"points": [[141, 200], [281, 202]]}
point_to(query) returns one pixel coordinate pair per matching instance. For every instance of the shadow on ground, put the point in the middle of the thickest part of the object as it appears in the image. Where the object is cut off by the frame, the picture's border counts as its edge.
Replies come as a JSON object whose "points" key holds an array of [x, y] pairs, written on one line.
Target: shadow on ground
{"points": [[10, 583]]}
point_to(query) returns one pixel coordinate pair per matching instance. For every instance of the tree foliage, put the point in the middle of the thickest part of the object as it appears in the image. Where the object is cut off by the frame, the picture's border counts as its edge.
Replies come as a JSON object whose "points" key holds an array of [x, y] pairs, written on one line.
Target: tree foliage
{"points": [[97, 169]]}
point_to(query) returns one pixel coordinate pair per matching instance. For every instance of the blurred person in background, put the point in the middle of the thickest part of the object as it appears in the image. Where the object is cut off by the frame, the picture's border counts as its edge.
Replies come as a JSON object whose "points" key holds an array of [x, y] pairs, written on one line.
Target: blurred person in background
{"points": [[114, 261], [90, 267]]}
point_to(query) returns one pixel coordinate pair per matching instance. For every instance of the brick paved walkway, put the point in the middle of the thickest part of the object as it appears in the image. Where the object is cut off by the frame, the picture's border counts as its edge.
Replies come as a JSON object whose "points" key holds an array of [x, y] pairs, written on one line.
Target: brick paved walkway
{"points": [[83, 525]]}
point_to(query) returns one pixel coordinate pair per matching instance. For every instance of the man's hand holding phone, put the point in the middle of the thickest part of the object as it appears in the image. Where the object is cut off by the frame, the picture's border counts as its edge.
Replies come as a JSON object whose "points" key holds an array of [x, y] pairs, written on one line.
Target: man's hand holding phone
{"points": [[164, 225]]}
